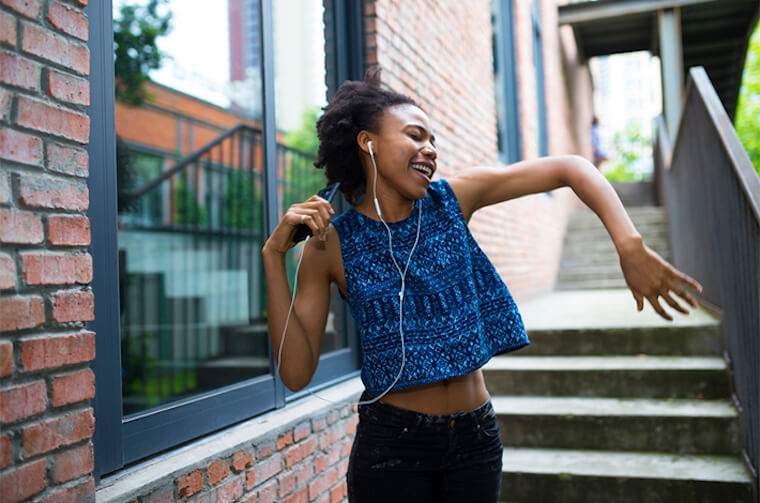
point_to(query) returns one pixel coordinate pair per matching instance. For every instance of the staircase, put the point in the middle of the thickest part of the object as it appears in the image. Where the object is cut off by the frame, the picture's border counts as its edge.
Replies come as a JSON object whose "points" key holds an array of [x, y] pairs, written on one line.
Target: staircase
{"points": [[613, 405], [589, 259]]}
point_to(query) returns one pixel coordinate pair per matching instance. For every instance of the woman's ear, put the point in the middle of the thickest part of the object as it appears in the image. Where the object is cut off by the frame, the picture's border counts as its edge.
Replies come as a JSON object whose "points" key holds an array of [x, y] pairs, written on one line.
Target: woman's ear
{"points": [[362, 140]]}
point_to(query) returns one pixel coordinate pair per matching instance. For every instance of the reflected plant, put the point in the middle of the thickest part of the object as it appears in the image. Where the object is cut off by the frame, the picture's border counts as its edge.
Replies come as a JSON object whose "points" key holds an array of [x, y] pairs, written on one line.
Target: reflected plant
{"points": [[136, 31]]}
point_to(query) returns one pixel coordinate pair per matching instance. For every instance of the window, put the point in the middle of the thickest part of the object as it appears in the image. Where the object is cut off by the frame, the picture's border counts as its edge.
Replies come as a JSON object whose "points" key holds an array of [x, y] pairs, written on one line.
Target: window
{"points": [[203, 156], [507, 114], [538, 63]]}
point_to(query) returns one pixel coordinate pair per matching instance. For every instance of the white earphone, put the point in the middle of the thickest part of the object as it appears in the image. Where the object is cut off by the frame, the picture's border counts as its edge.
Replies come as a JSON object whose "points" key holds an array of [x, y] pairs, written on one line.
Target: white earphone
{"points": [[400, 293]]}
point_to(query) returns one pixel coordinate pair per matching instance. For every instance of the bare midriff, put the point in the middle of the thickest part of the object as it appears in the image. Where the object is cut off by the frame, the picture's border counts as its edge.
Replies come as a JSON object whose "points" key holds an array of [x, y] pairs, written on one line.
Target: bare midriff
{"points": [[457, 394]]}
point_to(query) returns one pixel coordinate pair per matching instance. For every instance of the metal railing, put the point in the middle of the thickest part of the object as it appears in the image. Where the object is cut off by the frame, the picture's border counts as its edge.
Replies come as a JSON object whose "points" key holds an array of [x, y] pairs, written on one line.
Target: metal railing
{"points": [[193, 299], [712, 195]]}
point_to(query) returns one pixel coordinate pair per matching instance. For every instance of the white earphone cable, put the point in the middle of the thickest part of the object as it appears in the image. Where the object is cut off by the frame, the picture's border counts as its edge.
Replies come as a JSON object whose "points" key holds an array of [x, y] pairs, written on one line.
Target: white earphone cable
{"points": [[400, 293]]}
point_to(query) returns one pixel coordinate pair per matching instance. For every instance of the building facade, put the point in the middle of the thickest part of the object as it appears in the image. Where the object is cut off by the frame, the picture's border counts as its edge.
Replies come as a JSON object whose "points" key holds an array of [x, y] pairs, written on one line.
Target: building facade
{"points": [[134, 359]]}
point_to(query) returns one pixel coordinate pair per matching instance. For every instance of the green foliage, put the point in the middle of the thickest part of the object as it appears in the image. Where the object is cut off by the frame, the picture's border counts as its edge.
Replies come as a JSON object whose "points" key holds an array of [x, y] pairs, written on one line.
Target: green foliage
{"points": [[747, 119], [305, 137], [135, 33], [187, 209], [628, 146], [242, 208]]}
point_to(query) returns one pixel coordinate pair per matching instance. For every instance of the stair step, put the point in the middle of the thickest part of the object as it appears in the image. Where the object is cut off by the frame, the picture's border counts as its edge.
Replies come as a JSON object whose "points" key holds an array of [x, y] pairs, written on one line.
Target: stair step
{"points": [[663, 425], [674, 340], [590, 476], [605, 245], [642, 376]]}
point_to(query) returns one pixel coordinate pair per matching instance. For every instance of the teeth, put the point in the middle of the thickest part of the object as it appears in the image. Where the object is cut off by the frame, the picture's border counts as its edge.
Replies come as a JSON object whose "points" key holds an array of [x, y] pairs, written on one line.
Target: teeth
{"points": [[424, 169]]}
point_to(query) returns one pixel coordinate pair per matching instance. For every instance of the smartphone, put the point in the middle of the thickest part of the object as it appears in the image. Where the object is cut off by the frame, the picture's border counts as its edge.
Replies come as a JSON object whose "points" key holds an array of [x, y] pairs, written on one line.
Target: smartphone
{"points": [[303, 230]]}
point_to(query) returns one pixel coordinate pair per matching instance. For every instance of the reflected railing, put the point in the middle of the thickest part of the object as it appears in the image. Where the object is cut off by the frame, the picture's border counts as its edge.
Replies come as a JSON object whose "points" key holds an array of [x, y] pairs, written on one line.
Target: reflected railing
{"points": [[193, 296]]}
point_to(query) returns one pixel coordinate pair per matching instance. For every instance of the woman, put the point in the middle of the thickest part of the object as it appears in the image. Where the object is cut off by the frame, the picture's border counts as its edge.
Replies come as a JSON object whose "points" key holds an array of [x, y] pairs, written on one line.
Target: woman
{"points": [[428, 304]]}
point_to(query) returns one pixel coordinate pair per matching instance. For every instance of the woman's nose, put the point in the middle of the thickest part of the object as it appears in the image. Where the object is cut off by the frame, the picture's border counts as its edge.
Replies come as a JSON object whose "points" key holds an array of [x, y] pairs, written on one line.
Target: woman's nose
{"points": [[430, 151]]}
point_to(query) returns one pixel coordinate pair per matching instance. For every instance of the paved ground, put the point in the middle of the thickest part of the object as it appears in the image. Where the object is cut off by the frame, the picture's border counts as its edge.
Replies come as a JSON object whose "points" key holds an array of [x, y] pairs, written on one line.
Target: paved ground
{"points": [[602, 308]]}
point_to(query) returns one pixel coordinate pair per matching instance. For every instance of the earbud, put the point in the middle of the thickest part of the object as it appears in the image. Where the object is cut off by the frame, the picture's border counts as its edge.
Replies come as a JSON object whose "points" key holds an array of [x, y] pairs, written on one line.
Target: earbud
{"points": [[372, 154]]}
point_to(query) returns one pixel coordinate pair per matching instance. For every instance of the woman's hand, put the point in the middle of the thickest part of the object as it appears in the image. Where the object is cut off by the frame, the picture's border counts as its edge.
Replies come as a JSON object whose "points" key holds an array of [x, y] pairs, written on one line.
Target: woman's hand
{"points": [[314, 212], [649, 275]]}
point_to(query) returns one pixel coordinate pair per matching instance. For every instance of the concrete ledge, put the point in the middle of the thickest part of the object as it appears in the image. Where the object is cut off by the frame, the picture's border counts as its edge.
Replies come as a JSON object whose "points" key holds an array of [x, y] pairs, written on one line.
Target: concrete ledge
{"points": [[139, 479]]}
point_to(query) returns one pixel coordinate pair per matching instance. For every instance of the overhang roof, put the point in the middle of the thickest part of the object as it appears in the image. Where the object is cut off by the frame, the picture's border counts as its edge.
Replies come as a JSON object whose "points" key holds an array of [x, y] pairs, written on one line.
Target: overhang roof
{"points": [[714, 34]]}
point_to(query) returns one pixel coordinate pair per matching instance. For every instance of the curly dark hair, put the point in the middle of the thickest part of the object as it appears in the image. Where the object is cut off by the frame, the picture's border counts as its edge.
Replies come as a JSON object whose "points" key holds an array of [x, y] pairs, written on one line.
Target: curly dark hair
{"points": [[357, 105]]}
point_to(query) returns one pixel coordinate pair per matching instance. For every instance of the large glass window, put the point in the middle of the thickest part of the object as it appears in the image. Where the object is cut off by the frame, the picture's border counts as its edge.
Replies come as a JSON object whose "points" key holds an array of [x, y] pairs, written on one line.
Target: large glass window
{"points": [[505, 85], [538, 64], [213, 137]]}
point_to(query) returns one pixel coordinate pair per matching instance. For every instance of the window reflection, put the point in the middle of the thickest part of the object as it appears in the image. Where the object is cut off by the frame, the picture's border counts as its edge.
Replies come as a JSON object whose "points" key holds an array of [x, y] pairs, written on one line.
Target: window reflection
{"points": [[191, 198]]}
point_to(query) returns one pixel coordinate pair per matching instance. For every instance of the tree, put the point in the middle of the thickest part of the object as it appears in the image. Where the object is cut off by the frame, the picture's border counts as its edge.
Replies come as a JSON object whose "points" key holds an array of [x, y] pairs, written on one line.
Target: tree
{"points": [[631, 149], [747, 118], [135, 33]]}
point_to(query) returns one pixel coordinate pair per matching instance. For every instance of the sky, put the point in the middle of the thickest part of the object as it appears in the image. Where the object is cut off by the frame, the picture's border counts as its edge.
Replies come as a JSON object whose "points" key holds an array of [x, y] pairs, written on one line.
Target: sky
{"points": [[198, 44]]}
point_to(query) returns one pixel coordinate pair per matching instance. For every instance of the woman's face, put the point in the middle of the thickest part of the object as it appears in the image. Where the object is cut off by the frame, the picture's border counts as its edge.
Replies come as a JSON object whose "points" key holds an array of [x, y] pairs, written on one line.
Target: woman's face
{"points": [[403, 147]]}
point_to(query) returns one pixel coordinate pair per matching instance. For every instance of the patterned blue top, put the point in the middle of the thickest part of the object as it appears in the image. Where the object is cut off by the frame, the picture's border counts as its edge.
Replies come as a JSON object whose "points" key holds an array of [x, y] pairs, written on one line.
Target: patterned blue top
{"points": [[458, 312]]}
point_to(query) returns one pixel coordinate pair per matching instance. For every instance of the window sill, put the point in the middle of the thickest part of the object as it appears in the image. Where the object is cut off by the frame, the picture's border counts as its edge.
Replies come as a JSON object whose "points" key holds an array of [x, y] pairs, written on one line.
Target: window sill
{"points": [[142, 478]]}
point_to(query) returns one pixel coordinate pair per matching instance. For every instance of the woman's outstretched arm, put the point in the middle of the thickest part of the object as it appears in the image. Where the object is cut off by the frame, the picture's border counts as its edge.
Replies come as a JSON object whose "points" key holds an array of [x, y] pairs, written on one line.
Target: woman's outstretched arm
{"points": [[647, 274]]}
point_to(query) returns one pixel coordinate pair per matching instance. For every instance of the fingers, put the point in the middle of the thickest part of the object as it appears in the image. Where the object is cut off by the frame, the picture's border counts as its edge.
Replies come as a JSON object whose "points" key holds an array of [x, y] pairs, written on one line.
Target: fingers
{"points": [[639, 300], [686, 296], [657, 307], [673, 303], [688, 280]]}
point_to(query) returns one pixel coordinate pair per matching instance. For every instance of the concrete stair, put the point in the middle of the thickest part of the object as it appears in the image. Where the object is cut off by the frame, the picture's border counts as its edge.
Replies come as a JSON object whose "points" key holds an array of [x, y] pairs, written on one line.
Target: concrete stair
{"points": [[609, 404], [589, 259]]}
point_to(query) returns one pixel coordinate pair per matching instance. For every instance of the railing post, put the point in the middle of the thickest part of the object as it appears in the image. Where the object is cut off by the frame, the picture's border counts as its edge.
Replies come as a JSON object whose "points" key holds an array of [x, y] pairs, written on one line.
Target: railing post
{"points": [[671, 66]]}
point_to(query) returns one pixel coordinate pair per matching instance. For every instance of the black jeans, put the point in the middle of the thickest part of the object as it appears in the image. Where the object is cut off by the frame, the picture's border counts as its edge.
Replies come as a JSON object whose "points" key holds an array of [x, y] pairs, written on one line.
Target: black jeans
{"points": [[400, 455]]}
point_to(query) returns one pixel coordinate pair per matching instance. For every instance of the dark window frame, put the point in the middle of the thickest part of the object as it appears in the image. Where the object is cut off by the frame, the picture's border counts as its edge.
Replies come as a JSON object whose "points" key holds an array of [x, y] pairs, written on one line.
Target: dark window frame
{"points": [[119, 442], [504, 56]]}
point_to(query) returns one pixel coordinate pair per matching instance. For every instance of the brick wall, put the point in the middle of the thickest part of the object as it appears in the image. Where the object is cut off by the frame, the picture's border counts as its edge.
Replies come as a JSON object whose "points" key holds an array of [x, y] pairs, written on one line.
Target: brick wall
{"points": [[46, 422], [440, 54]]}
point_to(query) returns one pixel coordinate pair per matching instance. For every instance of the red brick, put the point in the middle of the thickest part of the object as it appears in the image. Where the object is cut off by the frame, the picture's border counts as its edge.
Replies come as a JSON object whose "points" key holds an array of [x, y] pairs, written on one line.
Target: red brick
{"points": [[241, 460], [6, 451], [66, 159], [68, 88], [53, 193], [163, 495], [22, 401], [338, 493], [55, 48], [20, 147], [6, 358], [28, 8], [301, 496], [51, 268], [23, 482], [73, 305], [189, 484], [19, 226], [7, 29], [72, 388], [68, 20], [80, 492], [19, 312], [217, 471], [69, 230], [53, 119], [18, 71], [229, 492], [73, 463], [52, 351], [58, 432]]}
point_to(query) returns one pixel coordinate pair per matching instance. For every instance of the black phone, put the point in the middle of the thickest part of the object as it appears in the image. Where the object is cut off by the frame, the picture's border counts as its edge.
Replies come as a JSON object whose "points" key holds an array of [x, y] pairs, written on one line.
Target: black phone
{"points": [[303, 230]]}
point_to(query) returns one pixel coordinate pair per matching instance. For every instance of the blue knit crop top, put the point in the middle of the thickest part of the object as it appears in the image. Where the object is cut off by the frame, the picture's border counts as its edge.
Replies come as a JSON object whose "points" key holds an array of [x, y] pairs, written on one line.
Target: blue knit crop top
{"points": [[458, 312]]}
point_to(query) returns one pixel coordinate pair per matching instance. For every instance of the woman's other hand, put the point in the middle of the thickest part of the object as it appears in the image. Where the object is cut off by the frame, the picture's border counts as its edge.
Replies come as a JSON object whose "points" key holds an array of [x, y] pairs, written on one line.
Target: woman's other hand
{"points": [[650, 276]]}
